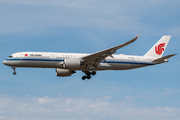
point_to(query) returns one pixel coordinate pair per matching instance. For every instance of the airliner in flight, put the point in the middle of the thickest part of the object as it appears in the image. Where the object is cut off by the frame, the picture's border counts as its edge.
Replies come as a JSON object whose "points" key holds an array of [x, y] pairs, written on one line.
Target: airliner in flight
{"points": [[67, 64]]}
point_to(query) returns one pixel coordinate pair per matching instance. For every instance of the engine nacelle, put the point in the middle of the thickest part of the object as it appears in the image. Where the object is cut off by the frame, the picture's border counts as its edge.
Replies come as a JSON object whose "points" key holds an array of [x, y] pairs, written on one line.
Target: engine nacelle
{"points": [[64, 72], [72, 63]]}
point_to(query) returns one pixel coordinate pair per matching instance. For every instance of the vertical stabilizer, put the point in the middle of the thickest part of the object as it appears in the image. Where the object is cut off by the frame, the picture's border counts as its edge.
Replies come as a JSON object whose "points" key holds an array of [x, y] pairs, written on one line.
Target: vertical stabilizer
{"points": [[158, 49]]}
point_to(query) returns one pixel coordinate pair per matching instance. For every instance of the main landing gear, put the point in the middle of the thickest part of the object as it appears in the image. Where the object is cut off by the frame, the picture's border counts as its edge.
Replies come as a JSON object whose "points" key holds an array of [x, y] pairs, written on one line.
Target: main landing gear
{"points": [[88, 74], [14, 69]]}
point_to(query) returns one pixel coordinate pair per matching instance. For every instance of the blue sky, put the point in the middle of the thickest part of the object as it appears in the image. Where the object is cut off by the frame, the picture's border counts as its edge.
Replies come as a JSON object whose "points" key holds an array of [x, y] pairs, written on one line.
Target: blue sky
{"points": [[87, 26]]}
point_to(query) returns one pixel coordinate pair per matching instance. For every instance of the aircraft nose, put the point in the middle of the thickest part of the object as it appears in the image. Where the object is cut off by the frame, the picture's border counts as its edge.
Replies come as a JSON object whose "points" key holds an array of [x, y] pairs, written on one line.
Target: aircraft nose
{"points": [[5, 62]]}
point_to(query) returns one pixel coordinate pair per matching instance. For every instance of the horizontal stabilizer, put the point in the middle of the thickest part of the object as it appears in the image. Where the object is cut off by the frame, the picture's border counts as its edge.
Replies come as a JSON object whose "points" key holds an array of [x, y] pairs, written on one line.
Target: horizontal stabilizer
{"points": [[162, 59]]}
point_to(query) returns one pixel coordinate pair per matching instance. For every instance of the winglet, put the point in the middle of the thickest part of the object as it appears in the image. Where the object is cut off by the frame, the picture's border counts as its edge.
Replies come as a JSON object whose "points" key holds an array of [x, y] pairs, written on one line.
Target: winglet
{"points": [[137, 35], [131, 41]]}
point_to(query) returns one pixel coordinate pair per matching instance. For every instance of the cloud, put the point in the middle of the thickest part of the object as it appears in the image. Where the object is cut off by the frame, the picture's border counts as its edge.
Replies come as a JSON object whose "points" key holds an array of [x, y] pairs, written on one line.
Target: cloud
{"points": [[45, 100], [37, 15], [129, 98], [169, 91], [66, 108], [65, 13]]}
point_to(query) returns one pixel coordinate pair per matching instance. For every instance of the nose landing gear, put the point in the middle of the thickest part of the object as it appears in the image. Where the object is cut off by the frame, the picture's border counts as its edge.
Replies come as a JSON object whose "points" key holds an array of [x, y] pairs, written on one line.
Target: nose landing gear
{"points": [[88, 74], [14, 69]]}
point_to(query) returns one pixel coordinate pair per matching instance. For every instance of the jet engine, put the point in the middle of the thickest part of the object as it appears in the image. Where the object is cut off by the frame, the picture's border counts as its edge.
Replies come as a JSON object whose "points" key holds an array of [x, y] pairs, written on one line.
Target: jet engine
{"points": [[64, 72], [72, 63]]}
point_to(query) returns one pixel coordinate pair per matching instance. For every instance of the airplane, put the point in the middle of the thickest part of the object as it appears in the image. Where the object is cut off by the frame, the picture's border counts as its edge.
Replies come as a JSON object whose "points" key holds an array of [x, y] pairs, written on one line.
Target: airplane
{"points": [[67, 64]]}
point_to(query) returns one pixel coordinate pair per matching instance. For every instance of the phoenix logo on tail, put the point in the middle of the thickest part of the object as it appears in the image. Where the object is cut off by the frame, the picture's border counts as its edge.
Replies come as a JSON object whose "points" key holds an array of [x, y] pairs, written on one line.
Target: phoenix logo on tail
{"points": [[159, 49]]}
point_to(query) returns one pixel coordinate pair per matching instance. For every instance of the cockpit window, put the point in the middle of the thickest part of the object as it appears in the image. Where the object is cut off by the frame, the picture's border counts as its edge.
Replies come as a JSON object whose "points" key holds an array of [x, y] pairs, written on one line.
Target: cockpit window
{"points": [[10, 56]]}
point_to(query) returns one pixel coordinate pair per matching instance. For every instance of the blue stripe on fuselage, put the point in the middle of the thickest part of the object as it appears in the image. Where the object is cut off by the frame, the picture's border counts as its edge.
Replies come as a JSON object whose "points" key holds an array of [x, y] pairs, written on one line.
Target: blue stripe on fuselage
{"points": [[60, 60], [129, 62], [31, 59]]}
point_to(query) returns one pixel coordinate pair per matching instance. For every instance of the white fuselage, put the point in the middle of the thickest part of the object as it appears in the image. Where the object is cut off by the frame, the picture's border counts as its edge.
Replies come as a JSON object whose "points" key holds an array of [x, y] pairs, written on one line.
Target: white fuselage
{"points": [[67, 64], [54, 60]]}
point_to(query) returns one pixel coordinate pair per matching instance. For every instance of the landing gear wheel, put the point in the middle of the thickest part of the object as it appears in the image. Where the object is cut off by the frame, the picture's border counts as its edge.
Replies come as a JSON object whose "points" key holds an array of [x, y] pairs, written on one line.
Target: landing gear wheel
{"points": [[84, 77], [88, 73], [89, 77], [93, 73], [14, 73], [14, 69]]}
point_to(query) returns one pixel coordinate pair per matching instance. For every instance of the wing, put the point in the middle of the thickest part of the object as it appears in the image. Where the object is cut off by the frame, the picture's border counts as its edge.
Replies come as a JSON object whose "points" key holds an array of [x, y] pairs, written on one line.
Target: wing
{"points": [[97, 57]]}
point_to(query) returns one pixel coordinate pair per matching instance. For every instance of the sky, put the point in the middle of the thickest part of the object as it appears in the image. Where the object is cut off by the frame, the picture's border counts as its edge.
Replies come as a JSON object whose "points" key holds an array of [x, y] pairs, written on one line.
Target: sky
{"points": [[88, 26]]}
